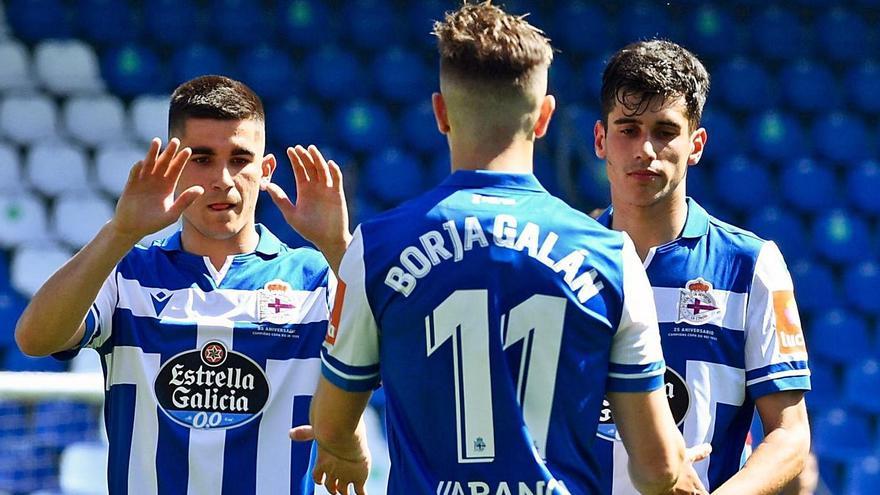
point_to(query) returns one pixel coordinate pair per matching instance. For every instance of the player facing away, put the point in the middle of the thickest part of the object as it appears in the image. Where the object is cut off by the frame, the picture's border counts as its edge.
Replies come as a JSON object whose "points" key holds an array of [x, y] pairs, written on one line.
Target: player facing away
{"points": [[728, 320], [494, 315], [210, 339]]}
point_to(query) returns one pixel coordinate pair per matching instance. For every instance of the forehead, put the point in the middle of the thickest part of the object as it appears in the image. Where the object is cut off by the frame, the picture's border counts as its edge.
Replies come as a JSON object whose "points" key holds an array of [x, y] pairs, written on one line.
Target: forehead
{"points": [[214, 133], [657, 108]]}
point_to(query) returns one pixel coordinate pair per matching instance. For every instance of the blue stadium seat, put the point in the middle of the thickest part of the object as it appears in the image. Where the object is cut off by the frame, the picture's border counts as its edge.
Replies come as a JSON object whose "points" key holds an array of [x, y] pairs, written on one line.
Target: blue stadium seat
{"points": [[863, 91], [740, 183], [774, 135], [724, 134], [35, 20], [592, 183], [197, 60], [420, 129], [563, 82], [809, 86], [12, 304], [295, 121], [842, 35], [814, 285], [712, 30], [842, 236], [133, 69], [863, 476], [862, 282], [14, 360], [372, 24], [862, 184], [545, 171], [269, 72], [700, 185], [185, 27], [743, 85], [59, 423], [782, 226], [108, 22], [841, 137], [825, 383], [305, 23], [861, 386], [777, 34], [589, 78], [839, 335], [808, 185], [239, 23], [420, 18], [645, 20], [392, 175], [335, 74], [364, 208], [364, 126], [841, 435], [581, 28], [269, 215], [402, 76]]}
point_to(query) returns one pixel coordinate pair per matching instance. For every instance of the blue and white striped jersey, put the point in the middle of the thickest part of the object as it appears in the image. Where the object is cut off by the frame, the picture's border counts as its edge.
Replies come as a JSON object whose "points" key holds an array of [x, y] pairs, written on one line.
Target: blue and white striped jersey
{"points": [[731, 334], [496, 317], [206, 370]]}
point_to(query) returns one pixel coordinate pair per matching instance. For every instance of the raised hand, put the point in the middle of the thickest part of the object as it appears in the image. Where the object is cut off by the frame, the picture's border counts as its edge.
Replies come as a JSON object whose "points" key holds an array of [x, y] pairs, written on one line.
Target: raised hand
{"points": [[320, 213], [147, 203]]}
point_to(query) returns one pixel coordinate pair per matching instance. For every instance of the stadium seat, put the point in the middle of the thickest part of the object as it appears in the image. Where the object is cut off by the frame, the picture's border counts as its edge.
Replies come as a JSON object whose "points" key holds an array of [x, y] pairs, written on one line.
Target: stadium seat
{"points": [[712, 29], [11, 307], [14, 360], [420, 18], [197, 59], [364, 126], [67, 67], [814, 285], [113, 163], [237, 24], [269, 72], [77, 218], [777, 34], [645, 20], [419, 128], [863, 92], [372, 24], [572, 20], [839, 335], [23, 220], [809, 186], [724, 134], [178, 30], [825, 383], [35, 20], [563, 82], [10, 169], [364, 208], [296, 121], [862, 185], [61, 422], [743, 85], [57, 167], [699, 183], [589, 80], [862, 281], [392, 175], [740, 183], [83, 468], [841, 137], [95, 120], [133, 69], [775, 134], [809, 86], [842, 35], [109, 22], [782, 226], [439, 168], [842, 236], [841, 435], [32, 265], [861, 386], [28, 119], [402, 76], [148, 118], [863, 476], [270, 216], [305, 23], [335, 74], [16, 62]]}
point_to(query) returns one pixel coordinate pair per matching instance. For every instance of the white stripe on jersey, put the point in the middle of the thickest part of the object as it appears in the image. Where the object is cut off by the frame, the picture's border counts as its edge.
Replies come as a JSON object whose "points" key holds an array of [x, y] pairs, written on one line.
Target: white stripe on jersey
{"points": [[732, 305], [637, 375], [776, 376]]}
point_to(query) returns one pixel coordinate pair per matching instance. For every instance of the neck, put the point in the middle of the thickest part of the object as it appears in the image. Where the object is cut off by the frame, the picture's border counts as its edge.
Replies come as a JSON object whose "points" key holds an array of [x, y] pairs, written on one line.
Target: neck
{"points": [[217, 250], [650, 226], [514, 156]]}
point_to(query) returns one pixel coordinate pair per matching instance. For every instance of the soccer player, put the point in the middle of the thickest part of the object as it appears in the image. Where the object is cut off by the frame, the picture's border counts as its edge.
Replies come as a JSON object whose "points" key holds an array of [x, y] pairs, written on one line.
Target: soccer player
{"points": [[495, 316], [728, 319], [209, 340]]}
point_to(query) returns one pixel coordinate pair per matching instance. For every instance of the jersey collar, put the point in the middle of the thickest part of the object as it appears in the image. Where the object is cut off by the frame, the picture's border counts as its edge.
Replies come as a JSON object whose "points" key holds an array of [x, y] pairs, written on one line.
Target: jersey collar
{"points": [[268, 243], [695, 225], [486, 178]]}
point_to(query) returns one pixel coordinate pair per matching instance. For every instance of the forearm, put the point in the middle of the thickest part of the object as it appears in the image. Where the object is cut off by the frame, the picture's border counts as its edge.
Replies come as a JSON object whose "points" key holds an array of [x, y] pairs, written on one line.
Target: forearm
{"points": [[776, 461], [56, 311], [334, 250], [336, 419]]}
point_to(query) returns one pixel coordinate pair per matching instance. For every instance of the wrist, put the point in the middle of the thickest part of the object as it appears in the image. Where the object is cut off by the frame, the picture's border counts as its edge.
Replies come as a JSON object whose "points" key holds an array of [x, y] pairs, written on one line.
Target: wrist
{"points": [[120, 236]]}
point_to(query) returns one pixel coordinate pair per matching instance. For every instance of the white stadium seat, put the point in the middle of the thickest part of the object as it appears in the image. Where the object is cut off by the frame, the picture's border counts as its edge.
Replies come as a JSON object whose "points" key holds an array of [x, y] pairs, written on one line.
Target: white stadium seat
{"points": [[83, 469], [10, 169], [67, 67], [95, 120], [113, 163], [54, 168], [22, 220], [76, 218], [149, 118], [28, 118], [16, 63], [33, 265]]}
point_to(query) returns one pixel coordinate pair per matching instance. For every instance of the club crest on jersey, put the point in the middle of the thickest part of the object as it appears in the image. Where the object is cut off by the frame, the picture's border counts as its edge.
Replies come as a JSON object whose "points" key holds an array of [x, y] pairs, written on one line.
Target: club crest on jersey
{"points": [[211, 388], [696, 304], [275, 302]]}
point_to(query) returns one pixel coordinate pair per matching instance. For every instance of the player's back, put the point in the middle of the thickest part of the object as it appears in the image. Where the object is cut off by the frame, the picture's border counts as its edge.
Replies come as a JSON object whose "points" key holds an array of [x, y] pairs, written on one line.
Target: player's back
{"points": [[495, 305]]}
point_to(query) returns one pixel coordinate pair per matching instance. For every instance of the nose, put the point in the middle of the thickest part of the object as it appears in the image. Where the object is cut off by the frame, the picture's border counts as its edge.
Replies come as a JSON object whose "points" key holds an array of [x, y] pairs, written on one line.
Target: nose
{"points": [[222, 179], [646, 151]]}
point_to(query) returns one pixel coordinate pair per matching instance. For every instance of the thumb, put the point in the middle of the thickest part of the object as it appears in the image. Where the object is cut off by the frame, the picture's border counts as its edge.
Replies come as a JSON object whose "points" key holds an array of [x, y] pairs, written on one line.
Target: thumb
{"points": [[698, 452], [280, 198], [185, 199], [303, 433]]}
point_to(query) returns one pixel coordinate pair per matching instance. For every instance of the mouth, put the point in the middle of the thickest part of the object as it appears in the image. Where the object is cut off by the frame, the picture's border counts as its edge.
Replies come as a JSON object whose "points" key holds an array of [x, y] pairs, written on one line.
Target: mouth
{"points": [[643, 174], [221, 206]]}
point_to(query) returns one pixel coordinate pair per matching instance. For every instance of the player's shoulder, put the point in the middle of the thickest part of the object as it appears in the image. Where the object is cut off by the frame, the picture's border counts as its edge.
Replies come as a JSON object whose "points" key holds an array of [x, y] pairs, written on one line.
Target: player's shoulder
{"points": [[735, 240]]}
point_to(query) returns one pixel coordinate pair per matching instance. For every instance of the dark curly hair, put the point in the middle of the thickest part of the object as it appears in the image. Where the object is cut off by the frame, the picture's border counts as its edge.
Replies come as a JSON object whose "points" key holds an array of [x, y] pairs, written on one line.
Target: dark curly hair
{"points": [[212, 97], [640, 72]]}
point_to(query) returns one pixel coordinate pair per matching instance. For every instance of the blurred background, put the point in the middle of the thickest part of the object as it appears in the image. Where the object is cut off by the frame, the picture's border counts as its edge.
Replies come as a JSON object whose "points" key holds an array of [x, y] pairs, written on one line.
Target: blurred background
{"points": [[793, 119]]}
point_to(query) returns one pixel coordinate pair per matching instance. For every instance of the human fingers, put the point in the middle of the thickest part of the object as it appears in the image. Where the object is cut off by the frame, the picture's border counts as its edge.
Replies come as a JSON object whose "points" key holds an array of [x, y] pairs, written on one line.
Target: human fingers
{"points": [[185, 199], [335, 176], [302, 433], [165, 157], [280, 198], [175, 167], [300, 176], [150, 158], [699, 452], [320, 165], [308, 162]]}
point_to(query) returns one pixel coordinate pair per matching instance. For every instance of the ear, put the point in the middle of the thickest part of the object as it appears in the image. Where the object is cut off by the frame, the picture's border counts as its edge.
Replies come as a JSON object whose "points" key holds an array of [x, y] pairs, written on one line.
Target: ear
{"points": [[268, 165], [698, 144], [439, 106], [548, 106], [599, 140]]}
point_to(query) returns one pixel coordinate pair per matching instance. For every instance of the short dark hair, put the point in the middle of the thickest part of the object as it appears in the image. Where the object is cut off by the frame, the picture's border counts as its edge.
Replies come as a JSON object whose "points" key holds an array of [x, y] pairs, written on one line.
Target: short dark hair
{"points": [[640, 72], [482, 42], [212, 97]]}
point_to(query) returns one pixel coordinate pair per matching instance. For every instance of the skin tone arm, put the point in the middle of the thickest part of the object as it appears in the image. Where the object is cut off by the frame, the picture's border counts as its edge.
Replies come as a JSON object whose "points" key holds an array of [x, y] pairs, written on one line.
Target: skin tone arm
{"points": [[53, 320], [784, 451]]}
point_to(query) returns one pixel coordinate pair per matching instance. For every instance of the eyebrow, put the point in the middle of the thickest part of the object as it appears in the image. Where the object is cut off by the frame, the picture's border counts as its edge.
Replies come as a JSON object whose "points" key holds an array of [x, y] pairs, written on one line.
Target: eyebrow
{"points": [[633, 120], [205, 150]]}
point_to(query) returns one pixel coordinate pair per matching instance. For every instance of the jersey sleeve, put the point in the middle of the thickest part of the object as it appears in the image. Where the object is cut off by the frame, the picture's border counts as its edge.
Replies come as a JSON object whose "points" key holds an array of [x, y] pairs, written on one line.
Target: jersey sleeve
{"points": [[350, 356], [776, 353], [636, 363], [98, 320]]}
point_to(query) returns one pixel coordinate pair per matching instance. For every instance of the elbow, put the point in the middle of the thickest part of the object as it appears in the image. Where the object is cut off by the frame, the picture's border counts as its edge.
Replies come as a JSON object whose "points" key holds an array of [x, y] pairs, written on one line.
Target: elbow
{"points": [[25, 341], [659, 474]]}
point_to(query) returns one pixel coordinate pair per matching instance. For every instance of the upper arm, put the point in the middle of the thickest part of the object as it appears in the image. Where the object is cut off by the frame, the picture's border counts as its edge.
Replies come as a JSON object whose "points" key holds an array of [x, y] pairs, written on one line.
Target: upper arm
{"points": [[786, 410]]}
